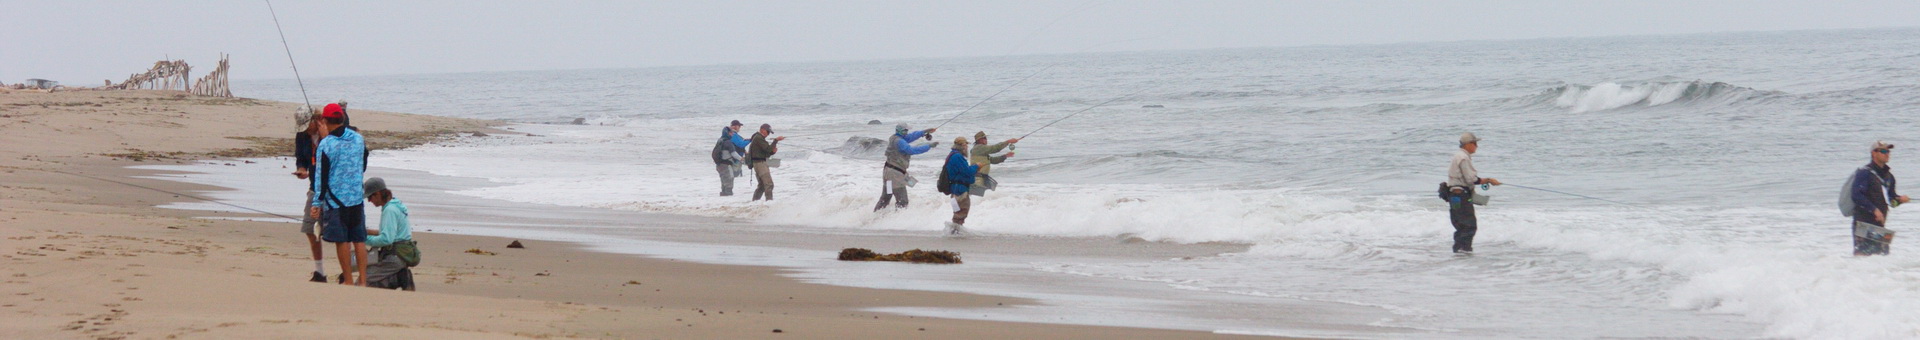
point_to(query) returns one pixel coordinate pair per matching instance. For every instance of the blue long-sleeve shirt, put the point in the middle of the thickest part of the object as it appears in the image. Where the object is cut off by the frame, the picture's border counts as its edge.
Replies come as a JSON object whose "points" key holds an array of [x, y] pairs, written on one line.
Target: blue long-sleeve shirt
{"points": [[905, 143], [960, 172], [341, 165], [737, 141], [394, 226]]}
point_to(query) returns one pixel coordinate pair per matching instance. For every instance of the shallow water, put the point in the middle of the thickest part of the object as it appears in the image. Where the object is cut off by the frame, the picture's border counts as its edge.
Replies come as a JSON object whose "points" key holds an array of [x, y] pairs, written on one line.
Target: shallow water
{"points": [[1726, 150]]}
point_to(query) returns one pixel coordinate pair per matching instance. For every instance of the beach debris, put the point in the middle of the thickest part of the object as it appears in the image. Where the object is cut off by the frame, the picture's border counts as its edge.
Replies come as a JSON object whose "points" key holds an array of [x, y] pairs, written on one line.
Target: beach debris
{"points": [[631, 282], [479, 134], [579, 121], [516, 245], [776, 330], [478, 251], [543, 274], [915, 256]]}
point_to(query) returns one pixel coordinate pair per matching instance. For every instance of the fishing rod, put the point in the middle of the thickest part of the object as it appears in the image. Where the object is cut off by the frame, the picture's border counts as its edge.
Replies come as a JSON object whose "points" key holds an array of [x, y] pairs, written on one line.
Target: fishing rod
{"points": [[289, 49]]}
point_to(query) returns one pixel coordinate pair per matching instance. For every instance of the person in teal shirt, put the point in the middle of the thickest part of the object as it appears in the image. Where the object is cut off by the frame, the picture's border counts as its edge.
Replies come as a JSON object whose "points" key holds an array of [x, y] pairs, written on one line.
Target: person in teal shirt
{"points": [[389, 271]]}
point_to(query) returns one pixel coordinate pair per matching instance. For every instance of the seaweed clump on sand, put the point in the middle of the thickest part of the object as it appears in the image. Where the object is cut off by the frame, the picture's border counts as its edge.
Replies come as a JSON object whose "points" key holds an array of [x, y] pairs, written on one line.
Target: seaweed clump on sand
{"points": [[915, 256]]}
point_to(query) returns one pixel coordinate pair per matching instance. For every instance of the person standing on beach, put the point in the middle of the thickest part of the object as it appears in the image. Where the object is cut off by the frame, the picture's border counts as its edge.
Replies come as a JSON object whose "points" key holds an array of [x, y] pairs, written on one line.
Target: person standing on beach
{"points": [[1458, 191], [1873, 196], [727, 155], [758, 154], [983, 157], [956, 178], [303, 145], [339, 201], [900, 151]]}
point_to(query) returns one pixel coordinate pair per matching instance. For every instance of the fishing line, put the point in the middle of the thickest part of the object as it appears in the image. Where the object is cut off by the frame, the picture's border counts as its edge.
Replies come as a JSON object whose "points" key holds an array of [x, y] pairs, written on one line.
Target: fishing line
{"points": [[1089, 108], [283, 45], [208, 200], [1574, 195]]}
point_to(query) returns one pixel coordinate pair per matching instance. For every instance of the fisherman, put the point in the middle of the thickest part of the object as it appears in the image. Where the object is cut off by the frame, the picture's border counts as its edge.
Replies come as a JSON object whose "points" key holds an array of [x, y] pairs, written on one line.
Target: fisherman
{"points": [[389, 269], [900, 151], [303, 142], [339, 203], [956, 178], [1458, 191], [982, 156], [758, 153], [1873, 193], [727, 155]]}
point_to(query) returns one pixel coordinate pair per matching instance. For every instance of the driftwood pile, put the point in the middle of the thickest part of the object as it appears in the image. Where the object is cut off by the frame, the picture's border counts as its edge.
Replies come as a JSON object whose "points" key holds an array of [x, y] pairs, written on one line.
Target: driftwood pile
{"points": [[175, 75], [215, 83], [915, 256]]}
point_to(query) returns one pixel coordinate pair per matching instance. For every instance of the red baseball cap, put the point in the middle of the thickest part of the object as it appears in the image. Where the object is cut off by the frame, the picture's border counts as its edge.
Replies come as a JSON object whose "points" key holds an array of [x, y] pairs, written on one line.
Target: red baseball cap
{"points": [[333, 111]]}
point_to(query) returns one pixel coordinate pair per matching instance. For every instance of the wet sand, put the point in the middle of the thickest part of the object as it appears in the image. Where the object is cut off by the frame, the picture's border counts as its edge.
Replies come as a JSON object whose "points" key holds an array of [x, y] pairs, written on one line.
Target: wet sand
{"points": [[89, 255]]}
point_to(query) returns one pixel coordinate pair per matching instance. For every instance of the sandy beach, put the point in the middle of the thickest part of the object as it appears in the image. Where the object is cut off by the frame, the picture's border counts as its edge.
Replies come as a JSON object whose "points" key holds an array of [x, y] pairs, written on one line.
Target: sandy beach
{"points": [[88, 254]]}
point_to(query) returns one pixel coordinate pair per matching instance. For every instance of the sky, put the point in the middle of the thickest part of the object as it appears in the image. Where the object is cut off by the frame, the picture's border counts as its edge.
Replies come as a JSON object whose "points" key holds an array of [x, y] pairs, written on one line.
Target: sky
{"points": [[83, 42]]}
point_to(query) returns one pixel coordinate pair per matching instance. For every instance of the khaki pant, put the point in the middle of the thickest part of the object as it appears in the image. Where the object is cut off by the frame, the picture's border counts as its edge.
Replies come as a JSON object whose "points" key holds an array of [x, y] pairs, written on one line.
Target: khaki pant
{"points": [[965, 203], [765, 178], [893, 187]]}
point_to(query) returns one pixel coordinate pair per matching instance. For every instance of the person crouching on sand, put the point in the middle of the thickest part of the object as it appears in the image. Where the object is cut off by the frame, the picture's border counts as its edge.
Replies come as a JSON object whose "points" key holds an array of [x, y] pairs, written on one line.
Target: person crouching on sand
{"points": [[340, 163], [389, 268]]}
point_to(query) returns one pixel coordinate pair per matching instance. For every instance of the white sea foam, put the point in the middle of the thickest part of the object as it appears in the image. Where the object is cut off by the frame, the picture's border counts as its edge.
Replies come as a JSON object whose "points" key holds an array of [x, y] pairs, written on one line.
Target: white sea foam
{"points": [[1324, 164]]}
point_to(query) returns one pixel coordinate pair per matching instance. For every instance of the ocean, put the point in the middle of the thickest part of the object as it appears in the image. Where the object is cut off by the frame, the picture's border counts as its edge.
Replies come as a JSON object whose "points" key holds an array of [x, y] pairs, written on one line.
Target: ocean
{"points": [[1719, 157]]}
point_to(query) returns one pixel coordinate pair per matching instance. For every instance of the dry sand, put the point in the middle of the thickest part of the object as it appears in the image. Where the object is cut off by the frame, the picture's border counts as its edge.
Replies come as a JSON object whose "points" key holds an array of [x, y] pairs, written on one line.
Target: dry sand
{"points": [[86, 257]]}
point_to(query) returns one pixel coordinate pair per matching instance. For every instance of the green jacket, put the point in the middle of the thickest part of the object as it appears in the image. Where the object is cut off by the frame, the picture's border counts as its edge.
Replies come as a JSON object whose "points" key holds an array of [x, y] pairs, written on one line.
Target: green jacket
{"points": [[759, 150], [982, 155]]}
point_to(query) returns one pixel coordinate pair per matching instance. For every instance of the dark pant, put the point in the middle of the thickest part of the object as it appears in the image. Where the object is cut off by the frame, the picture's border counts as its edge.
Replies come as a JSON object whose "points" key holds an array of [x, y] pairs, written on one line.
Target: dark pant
{"points": [[1464, 224], [390, 272], [344, 225], [726, 178]]}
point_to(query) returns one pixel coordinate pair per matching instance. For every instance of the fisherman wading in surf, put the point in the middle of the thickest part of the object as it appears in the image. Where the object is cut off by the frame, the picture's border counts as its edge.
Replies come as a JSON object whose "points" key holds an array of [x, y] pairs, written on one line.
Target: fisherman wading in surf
{"points": [[900, 151], [1873, 194], [1458, 191]]}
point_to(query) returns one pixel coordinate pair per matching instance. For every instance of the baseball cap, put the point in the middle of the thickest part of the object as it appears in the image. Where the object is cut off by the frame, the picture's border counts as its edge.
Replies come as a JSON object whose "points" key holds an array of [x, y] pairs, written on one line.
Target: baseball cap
{"points": [[333, 111], [373, 185], [1468, 138], [1877, 145], [736, 122], [980, 135], [768, 127]]}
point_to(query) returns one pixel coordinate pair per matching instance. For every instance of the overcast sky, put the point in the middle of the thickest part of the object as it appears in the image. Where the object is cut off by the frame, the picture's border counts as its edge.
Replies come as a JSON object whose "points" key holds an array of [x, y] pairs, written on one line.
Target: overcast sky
{"points": [[83, 42]]}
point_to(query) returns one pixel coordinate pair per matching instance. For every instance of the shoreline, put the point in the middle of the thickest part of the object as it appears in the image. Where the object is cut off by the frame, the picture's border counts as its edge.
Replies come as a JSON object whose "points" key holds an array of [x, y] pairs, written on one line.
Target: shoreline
{"points": [[172, 273]]}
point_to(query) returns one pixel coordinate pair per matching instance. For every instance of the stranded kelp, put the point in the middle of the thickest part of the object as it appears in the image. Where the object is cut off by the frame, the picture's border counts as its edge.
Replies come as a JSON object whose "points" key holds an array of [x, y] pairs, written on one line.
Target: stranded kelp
{"points": [[915, 256]]}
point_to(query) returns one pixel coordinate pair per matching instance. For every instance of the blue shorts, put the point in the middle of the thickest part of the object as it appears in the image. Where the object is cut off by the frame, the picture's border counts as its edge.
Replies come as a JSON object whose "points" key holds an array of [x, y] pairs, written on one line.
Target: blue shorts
{"points": [[344, 225]]}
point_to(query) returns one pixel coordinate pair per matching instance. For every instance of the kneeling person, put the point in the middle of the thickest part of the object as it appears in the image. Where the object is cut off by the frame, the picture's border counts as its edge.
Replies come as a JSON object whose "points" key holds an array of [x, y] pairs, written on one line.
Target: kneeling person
{"points": [[389, 271]]}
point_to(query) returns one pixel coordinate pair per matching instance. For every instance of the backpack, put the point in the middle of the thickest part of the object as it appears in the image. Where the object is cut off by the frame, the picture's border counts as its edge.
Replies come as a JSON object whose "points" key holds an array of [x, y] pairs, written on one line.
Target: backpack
{"points": [[945, 185], [721, 149]]}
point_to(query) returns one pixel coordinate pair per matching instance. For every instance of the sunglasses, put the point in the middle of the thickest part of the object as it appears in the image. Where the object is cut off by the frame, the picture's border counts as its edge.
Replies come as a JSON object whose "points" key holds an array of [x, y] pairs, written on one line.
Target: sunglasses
{"points": [[1884, 151]]}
